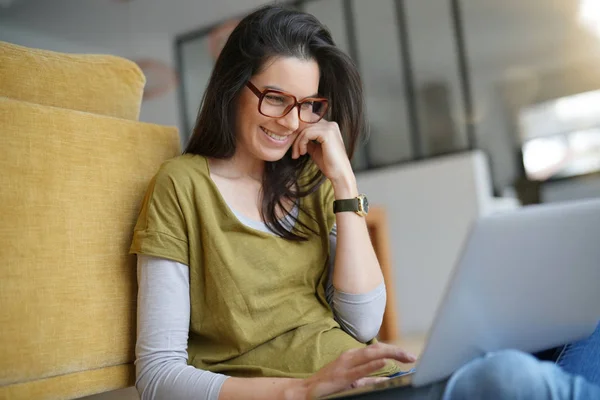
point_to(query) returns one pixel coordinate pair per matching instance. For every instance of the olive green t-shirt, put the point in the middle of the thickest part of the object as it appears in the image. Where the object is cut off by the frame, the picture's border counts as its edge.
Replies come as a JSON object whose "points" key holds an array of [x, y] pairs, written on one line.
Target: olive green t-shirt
{"points": [[258, 304]]}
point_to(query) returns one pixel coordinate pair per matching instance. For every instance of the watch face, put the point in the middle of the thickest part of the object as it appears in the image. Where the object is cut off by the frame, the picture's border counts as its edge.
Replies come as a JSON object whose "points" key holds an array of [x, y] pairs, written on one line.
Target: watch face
{"points": [[365, 203]]}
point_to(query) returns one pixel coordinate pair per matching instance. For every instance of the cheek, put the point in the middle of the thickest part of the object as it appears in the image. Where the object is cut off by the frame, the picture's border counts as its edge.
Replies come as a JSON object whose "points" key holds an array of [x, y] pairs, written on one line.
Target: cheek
{"points": [[247, 120], [249, 115]]}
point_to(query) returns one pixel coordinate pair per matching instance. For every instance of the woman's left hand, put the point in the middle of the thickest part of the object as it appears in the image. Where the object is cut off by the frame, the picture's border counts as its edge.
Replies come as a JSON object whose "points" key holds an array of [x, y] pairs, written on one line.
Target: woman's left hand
{"points": [[329, 152]]}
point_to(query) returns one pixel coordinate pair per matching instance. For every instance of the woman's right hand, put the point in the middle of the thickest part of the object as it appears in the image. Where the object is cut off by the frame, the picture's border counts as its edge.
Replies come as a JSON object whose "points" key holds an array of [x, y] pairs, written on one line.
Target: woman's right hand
{"points": [[349, 369]]}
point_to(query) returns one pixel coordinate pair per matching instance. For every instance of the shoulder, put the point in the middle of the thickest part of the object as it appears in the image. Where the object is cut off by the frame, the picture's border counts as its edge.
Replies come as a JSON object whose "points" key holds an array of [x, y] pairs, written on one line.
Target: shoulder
{"points": [[183, 171], [177, 178], [183, 166]]}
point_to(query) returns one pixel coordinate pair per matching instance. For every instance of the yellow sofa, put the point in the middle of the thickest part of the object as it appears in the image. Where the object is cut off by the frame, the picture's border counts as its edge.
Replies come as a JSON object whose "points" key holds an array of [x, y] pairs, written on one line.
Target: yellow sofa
{"points": [[74, 165]]}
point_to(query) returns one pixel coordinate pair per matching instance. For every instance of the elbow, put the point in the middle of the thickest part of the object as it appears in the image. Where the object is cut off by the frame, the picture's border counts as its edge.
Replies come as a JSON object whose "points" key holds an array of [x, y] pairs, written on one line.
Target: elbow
{"points": [[359, 316], [364, 328], [367, 333], [140, 390], [370, 328], [145, 377], [153, 374], [150, 383]]}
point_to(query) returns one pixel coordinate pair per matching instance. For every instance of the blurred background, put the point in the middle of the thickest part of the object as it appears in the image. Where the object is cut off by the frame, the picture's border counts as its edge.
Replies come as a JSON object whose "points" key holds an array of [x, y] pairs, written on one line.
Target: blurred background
{"points": [[474, 106], [515, 79]]}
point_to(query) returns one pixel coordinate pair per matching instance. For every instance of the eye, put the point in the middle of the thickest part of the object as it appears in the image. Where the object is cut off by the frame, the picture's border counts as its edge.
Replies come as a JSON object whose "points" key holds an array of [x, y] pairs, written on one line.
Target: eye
{"points": [[274, 99], [308, 105]]}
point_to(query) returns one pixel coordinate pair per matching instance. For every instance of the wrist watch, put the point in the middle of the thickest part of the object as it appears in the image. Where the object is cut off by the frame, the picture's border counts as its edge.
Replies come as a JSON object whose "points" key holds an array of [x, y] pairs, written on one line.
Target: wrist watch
{"points": [[359, 205]]}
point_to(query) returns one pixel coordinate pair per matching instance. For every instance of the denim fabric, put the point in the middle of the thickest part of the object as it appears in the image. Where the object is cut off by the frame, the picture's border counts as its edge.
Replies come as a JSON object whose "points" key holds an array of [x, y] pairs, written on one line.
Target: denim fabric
{"points": [[514, 375], [583, 358]]}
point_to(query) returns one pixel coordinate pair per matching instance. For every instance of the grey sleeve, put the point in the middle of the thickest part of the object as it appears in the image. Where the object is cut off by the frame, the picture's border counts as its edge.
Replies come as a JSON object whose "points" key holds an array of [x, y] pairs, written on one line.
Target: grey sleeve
{"points": [[358, 314], [163, 320]]}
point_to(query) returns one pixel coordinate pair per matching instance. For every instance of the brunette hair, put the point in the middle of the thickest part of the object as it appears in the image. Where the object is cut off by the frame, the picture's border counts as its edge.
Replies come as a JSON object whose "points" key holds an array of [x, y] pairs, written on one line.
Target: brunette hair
{"points": [[277, 31]]}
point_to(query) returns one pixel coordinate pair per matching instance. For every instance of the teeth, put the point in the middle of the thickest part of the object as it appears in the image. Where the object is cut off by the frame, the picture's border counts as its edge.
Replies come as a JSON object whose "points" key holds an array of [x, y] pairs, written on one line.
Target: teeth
{"points": [[274, 136]]}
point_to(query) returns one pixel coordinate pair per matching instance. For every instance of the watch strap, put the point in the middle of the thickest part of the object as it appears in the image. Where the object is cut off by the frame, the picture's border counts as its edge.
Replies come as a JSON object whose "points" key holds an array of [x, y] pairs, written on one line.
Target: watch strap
{"points": [[345, 205]]}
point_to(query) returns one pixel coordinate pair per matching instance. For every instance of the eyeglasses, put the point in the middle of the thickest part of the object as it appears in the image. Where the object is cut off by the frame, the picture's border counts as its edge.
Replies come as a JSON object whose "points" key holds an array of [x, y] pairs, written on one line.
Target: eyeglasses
{"points": [[276, 104]]}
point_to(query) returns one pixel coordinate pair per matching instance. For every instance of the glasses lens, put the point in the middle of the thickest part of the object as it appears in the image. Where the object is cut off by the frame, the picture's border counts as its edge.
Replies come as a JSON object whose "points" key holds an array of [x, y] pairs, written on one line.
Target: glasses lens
{"points": [[312, 110], [275, 104]]}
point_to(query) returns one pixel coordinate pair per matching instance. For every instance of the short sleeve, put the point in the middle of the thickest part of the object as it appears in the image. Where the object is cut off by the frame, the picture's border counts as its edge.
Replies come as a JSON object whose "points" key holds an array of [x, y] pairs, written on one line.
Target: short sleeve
{"points": [[161, 229]]}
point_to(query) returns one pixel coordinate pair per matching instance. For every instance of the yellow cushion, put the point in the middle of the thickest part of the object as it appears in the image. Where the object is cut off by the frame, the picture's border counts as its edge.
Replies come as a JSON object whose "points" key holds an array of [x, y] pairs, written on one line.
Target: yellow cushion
{"points": [[72, 386], [71, 184], [99, 84]]}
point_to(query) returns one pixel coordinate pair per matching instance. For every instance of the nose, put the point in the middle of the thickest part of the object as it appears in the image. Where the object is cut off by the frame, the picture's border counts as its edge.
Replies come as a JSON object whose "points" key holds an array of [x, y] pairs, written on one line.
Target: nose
{"points": [[291, 120]]}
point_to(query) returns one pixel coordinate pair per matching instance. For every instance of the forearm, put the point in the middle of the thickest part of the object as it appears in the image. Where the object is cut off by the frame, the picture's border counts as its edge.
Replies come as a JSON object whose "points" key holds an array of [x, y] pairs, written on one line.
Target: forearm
{"points": [[356, 267], [162, 379], [360, 315], [263, 388]]}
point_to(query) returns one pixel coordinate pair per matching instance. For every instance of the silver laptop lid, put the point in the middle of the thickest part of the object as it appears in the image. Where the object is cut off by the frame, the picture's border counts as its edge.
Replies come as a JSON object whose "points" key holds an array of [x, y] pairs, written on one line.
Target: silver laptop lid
{"points": [[527, 280]]}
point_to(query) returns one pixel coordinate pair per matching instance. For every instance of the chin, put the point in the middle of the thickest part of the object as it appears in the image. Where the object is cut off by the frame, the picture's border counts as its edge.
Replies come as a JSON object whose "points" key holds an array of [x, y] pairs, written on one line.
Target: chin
{"points": [[272, 156], [269, 154]]}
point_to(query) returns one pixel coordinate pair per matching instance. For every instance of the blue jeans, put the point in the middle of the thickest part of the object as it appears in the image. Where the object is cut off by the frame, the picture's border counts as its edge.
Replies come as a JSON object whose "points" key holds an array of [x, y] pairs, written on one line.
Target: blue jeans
{"points": [[515, 375], [511, 374], [583, 358]]}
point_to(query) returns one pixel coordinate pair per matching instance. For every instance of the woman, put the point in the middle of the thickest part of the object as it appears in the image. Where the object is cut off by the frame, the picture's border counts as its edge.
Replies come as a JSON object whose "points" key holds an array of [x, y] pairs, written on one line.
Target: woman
{"points": [[245, 272]]}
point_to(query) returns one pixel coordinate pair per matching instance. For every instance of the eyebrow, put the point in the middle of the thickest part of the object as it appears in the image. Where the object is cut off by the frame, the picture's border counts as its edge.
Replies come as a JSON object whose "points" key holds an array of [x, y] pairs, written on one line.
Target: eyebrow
{"points": [[281, 90]]}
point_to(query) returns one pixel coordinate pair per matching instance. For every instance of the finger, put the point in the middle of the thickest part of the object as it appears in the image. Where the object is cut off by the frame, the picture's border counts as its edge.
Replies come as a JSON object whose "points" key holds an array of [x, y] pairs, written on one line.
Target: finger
{"points": [[382, 350], [295, 151], [308, 137], [368, 381], [312, 147], [344, 380], [364, 370], [304, 145]]}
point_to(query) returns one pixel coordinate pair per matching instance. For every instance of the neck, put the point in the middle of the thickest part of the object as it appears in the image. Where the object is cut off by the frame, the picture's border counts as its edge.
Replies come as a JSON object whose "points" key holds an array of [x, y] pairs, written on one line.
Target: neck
{"points": [[239, 167]]}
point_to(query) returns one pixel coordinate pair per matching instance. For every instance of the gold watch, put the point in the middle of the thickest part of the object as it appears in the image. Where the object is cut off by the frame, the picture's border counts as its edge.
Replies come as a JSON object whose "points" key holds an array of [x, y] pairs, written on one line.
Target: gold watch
{"points": [[359, 205]]}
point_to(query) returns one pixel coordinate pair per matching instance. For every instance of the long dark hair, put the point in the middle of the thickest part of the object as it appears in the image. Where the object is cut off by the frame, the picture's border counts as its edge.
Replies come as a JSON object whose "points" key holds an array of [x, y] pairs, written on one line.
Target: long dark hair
{"points": [[273, 31]]}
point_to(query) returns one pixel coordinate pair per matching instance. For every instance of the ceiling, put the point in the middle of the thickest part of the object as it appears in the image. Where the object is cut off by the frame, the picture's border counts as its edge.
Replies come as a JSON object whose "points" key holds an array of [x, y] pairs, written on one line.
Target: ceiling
{"points": [[498, 32], [170, 17], [106, 24]]}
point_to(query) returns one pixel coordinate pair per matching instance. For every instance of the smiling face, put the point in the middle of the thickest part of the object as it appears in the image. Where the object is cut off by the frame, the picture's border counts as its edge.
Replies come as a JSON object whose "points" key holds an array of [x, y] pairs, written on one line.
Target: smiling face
{"points": [[264, 138]]}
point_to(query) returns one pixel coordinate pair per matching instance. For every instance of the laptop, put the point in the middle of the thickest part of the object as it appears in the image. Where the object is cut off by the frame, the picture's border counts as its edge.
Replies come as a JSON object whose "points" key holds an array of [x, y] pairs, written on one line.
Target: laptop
{"points": [[526, 279]]}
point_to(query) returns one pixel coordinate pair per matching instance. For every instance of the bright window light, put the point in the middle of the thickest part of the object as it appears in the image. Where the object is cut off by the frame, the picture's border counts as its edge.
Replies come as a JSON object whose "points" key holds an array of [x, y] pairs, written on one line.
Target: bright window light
{"points": [[542, 158], [581, 106], [589, 14]]}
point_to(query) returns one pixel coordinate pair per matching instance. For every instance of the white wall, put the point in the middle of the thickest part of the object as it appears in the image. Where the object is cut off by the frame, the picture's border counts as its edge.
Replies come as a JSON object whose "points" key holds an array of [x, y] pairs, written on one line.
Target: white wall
{"points": [[430, 207]]}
